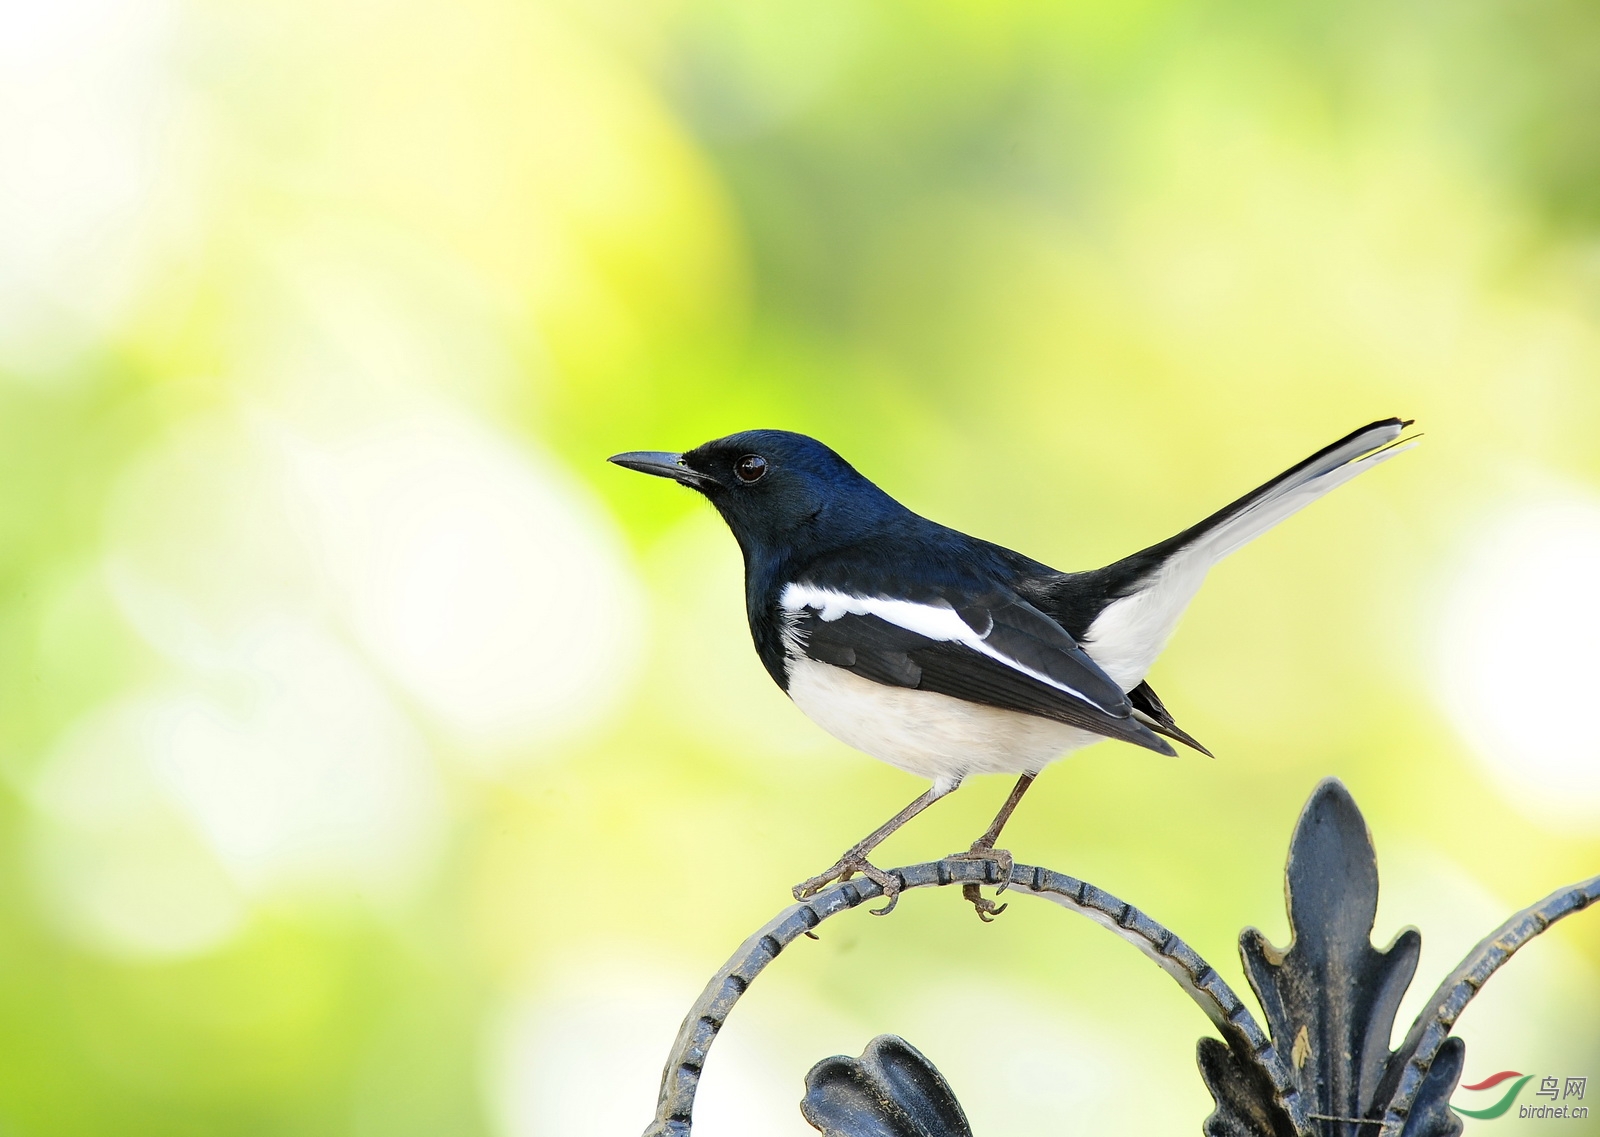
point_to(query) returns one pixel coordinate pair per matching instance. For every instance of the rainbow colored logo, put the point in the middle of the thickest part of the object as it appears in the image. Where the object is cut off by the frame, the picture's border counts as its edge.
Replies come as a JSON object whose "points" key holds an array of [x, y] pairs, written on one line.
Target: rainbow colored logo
{"points": [[1504, 1103]]}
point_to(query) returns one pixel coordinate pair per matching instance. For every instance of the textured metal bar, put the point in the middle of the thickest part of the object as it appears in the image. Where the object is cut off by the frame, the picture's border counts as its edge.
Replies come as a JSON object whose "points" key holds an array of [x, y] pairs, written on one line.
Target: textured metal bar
{"points": [[1411, 1061], [681, 1077]]}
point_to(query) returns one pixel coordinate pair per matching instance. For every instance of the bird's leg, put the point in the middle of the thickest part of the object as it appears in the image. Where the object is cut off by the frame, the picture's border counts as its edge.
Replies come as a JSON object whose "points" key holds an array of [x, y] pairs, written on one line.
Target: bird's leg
{"points": [[983, 850], [855, 858]]}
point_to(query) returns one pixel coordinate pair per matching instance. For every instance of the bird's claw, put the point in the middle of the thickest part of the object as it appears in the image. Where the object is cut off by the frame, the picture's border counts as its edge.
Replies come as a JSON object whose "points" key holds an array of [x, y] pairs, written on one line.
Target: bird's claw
{"points": [[846, 867], [987, 909]]}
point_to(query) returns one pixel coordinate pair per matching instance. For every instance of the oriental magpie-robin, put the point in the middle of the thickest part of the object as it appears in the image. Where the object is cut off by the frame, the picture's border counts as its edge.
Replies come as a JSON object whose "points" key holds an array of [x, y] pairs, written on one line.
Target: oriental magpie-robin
{"points": [[944, 654]]}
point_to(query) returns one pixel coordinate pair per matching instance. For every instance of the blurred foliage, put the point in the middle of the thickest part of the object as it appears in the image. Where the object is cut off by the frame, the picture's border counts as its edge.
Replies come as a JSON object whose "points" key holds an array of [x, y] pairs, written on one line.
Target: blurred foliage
{"points": [[378, 760]]}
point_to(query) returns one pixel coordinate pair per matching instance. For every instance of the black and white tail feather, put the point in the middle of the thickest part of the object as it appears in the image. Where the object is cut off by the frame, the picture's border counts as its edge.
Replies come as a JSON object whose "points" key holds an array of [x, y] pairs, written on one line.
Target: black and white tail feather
{"points": [[1150, 589]]}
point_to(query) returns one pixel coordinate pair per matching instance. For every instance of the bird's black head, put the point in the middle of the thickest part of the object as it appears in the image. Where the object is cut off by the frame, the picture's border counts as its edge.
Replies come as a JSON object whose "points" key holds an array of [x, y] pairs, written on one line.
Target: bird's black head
{"points": [[778, 491]]}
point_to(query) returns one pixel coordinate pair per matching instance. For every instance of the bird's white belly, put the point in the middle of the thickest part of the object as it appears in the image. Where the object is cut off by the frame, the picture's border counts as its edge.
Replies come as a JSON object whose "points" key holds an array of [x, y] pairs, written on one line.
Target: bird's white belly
{"points": [[936, 736]]}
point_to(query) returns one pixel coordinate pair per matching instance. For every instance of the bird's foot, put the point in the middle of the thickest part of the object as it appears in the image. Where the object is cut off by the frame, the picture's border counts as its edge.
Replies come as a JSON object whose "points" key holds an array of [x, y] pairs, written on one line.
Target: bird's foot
{"points": [[987, 909], [846, 867], [1000, 857]]}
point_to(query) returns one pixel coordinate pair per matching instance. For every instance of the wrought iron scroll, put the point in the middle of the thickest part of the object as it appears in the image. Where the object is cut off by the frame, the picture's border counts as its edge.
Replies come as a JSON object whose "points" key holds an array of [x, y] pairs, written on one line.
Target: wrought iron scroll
{"points": [[1428, 1042], [1250, 1045]]}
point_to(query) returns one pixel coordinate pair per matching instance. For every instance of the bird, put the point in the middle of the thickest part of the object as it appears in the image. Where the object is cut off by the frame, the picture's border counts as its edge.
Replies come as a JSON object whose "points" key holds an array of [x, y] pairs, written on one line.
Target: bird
{"points": [[947, 655]]}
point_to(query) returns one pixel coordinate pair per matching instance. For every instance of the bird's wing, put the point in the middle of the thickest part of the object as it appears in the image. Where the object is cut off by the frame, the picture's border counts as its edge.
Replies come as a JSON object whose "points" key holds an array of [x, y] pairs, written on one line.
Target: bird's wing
{"points": [[997, 650], [1150, 710]]}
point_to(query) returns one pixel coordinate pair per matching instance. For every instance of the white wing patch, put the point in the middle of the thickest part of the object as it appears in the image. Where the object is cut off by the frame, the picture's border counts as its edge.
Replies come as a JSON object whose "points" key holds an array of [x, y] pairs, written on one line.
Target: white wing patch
{"points": [[932, 621]]}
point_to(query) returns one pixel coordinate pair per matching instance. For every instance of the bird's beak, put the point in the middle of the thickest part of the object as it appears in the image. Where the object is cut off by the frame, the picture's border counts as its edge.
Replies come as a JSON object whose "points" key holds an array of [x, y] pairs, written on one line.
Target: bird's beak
{"points": [[662, 464]]}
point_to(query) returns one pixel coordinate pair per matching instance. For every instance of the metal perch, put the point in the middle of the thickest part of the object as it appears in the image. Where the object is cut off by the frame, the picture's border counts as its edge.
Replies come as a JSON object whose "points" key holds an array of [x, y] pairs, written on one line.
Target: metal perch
{"points": [[1322, 1069]]}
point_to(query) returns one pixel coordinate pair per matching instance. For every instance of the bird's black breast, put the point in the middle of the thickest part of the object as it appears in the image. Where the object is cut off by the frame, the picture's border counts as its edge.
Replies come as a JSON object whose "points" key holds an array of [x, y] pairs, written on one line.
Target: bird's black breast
{"points": [[764, 584]]}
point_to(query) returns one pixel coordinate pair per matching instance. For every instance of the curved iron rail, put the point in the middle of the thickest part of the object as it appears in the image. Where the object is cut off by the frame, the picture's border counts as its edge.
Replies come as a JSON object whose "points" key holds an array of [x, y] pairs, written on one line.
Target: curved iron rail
{"points": [[1409, 1066], [681, 1078], [1329, 990]]}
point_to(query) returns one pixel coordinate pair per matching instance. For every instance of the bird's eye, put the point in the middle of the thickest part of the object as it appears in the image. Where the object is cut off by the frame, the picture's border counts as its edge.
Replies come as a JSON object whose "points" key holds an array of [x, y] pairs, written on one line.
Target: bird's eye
{"points": [[750, 468]]}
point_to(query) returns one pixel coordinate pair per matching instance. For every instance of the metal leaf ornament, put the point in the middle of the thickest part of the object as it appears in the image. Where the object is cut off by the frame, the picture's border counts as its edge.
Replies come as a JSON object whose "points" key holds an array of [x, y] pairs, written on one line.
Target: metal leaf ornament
{"points": [[1330, 998], [890, 1091]]}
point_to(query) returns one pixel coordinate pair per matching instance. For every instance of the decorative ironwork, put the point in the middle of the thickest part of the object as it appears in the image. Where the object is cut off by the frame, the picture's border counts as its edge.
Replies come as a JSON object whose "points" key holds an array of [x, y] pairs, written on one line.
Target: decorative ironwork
{"points": [[1331, 997], [1322, 1069], [890, 1091], [681, 1078]]}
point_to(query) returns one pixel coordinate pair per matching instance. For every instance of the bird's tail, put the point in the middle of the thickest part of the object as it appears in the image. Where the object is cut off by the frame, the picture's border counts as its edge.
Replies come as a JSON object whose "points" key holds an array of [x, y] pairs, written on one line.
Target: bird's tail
{"points": [[1291, 491], [1151, 588]]}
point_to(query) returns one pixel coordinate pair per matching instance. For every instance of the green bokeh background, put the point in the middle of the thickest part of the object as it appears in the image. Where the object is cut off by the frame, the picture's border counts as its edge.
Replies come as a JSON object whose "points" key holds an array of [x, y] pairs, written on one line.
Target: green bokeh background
{"points": [[379, 761]]}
